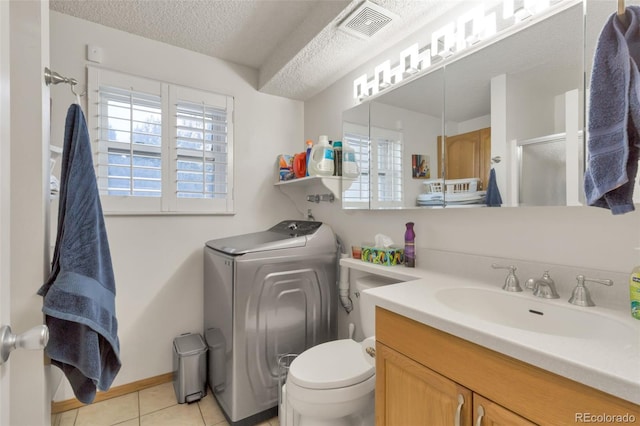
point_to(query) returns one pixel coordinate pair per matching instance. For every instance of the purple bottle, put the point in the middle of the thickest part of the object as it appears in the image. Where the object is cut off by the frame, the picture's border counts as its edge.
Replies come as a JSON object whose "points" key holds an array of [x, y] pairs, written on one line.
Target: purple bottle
{"points": [[409, 246]]}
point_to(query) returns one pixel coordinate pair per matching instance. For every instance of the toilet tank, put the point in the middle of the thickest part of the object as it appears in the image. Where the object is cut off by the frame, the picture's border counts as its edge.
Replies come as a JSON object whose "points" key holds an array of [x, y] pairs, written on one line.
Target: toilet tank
{"points": [[368, 310]]}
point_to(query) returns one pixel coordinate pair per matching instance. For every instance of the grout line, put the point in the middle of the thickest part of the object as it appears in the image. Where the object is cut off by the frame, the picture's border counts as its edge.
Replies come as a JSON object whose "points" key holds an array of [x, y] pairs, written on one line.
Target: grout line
{"points": [[139, 414], [204, 423]]}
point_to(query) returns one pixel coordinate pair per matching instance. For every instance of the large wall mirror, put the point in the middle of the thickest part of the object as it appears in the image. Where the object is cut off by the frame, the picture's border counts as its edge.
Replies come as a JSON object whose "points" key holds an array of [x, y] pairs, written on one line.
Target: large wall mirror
{"points": [[404, 124], [509, 113]]}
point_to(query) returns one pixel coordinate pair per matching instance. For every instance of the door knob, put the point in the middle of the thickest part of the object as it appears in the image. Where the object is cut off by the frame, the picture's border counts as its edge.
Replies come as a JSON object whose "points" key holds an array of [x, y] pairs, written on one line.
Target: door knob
{"points": [[33, 339]]}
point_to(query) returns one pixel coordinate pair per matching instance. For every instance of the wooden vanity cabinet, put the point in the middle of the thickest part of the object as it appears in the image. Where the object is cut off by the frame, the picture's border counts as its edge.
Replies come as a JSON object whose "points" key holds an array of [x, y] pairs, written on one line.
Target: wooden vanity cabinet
{"points": [[421, 373], [488, 413], [416, 395]]}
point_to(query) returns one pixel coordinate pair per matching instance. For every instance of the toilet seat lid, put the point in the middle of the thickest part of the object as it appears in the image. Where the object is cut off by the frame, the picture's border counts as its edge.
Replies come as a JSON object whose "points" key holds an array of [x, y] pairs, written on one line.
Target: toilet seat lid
{"points": [[331, 365]]}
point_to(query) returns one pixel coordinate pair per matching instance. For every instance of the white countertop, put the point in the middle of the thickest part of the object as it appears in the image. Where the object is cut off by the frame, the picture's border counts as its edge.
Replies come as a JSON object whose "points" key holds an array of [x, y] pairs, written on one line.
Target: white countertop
{"points": [[613, 368]]}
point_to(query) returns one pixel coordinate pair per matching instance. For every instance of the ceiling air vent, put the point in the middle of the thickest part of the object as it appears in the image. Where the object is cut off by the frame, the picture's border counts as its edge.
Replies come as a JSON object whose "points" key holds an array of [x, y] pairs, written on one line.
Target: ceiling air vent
{"points": [[366, 20]]}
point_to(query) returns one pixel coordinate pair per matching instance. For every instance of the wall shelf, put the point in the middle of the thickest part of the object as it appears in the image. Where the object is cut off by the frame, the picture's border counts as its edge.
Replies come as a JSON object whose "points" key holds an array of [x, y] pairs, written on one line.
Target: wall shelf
{"points": [[331, 183]]}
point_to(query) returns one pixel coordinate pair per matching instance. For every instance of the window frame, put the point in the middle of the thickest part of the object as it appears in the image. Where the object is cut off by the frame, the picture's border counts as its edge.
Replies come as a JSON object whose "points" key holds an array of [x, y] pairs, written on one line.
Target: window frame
{"points": [[394, 139], [170, 95], [357, 136], [373, 137]]}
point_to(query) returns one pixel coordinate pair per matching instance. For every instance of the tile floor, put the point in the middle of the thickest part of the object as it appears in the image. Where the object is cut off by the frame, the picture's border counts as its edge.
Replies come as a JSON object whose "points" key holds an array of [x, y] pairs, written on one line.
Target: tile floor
{"points": [[156, 406]]}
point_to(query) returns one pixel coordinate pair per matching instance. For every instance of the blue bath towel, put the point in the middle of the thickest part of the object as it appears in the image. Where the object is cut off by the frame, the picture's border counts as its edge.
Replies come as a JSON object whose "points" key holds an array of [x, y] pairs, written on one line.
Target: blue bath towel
{"points": [[493, 193], [79, 295], [614, 115]]}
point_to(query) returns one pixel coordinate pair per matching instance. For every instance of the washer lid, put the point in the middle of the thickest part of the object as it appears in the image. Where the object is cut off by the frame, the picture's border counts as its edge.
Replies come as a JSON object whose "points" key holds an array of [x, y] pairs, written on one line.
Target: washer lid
{"points": [[286, 234], [331, 365]]}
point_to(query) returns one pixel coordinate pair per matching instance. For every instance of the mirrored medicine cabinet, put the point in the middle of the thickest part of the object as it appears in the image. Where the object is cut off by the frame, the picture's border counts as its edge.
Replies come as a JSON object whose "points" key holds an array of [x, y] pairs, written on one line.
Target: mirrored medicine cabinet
{"points": [[514, 103]]}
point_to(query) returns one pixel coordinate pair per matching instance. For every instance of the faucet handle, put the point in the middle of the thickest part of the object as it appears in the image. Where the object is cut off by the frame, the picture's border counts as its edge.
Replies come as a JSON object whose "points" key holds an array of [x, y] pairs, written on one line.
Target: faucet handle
{"points": [[580, 295], [511, 283]]}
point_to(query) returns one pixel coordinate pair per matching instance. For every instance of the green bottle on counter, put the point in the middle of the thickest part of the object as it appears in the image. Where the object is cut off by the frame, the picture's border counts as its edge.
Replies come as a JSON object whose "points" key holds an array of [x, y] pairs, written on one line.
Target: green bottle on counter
{"points": [[634, 290]]}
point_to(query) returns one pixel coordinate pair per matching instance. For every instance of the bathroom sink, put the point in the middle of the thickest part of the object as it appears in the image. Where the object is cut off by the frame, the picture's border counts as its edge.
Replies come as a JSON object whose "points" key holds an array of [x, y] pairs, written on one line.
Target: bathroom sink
{"points": [[526, 313]]}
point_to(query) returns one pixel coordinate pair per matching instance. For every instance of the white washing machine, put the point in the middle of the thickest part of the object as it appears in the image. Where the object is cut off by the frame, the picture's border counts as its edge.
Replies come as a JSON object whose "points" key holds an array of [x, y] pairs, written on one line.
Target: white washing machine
{"points": [[266, 294]]}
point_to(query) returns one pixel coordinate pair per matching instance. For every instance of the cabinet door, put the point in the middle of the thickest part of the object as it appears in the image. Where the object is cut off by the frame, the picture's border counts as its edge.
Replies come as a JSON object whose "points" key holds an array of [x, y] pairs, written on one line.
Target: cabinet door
{"points": [[408, 393], [488, 413]]}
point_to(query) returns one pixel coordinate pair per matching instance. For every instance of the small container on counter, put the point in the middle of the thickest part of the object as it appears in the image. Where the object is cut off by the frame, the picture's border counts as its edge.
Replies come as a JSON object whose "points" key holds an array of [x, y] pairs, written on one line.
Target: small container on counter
{"points": [[356, 252]]}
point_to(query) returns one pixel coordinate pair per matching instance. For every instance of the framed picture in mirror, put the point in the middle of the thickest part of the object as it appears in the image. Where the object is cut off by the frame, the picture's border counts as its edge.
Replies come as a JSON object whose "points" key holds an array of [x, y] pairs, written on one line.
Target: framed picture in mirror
{"points": [[420, 166]]}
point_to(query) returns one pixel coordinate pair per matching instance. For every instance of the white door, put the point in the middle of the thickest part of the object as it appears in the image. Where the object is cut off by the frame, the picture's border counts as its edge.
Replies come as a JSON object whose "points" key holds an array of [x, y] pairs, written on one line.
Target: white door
{"points": [[24, 137], [4, 199]]}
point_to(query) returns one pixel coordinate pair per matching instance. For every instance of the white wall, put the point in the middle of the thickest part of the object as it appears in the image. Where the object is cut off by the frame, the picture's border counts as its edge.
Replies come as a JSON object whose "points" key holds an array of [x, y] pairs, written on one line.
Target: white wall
{"points": [[158, 259], [583, 237]]}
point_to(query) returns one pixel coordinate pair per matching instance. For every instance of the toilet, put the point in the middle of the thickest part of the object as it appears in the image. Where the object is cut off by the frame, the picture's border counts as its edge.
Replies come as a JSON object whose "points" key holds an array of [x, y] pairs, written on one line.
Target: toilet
{"points": [[333, 383]]}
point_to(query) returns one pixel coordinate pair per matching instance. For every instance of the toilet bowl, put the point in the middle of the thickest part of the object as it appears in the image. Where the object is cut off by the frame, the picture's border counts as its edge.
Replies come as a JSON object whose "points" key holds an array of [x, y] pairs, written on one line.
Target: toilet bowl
{"points": [[333, 384]]}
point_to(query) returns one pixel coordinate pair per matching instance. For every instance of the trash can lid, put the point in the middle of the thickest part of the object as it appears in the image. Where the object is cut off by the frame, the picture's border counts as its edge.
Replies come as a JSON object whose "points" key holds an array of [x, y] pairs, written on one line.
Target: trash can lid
{"points": [[189, 344], [214, 337]]}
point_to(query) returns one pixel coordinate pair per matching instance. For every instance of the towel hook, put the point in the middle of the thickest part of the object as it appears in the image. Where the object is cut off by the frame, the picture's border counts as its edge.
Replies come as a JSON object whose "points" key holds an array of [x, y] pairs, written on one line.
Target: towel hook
{"points": [[52, 77], [74, 92]]}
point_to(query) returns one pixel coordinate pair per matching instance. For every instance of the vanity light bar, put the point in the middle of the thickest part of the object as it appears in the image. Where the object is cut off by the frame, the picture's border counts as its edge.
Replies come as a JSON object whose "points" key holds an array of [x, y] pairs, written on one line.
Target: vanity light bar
{"points": [[412, 60], [468, 29]]}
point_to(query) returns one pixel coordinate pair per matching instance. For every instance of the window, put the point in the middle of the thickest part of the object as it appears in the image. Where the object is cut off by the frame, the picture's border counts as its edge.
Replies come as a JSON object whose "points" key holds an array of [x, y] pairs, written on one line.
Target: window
{"points": [[160, 148], [131, 136], [357, 138], [380, 182], [387, 148]]}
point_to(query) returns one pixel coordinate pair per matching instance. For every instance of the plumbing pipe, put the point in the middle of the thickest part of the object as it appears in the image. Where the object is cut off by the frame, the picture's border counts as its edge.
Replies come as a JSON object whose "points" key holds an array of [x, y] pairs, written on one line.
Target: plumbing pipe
{"points": [[343, 287]]}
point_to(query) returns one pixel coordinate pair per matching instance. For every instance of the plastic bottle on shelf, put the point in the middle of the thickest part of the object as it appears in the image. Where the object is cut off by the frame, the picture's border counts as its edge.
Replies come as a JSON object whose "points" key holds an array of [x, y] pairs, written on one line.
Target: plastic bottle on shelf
{"points": [[321, 158], [349, 165], [337, 158], [308, 150], [409, 246]]}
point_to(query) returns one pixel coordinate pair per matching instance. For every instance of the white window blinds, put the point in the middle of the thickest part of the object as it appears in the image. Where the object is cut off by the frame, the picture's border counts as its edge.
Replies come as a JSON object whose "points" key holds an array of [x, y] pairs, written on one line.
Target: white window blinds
{"points": [[131, 136], [161, 148], [379, 157], [389, 171], [202, 151], [387, 168], [357, 195], [202, 156]]}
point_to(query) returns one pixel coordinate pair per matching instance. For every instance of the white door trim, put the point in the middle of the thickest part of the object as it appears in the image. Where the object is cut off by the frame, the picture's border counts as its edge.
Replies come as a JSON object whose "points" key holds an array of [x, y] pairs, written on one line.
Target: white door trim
{"points": [[4, 200]]}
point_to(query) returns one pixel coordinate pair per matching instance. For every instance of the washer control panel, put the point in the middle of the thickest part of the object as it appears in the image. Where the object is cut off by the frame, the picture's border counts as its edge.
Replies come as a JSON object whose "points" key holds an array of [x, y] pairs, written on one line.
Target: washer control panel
{"points": [[296, 227]]}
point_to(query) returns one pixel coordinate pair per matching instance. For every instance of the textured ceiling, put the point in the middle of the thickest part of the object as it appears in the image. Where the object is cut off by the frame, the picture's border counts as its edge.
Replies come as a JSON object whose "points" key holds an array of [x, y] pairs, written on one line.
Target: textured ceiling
{"points": [[294, 44]]}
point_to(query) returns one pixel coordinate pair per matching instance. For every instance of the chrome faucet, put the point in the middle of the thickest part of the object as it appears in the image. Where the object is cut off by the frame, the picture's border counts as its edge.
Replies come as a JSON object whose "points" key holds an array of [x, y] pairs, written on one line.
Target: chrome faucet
{"points": [[580, 295], [543, 287], [511, 283]]}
